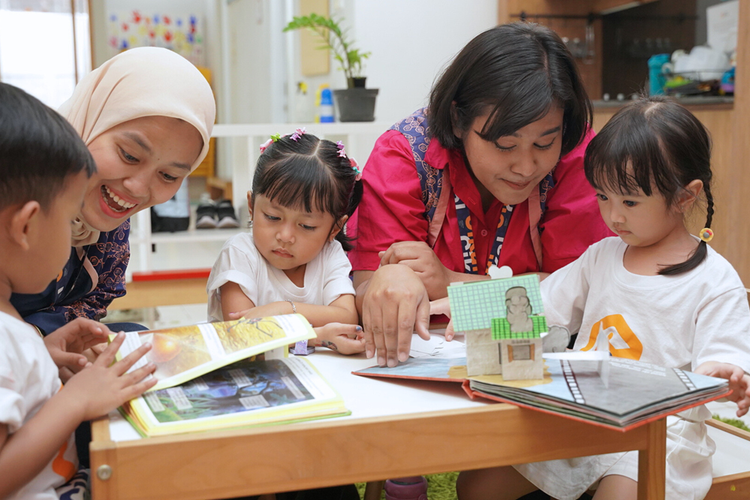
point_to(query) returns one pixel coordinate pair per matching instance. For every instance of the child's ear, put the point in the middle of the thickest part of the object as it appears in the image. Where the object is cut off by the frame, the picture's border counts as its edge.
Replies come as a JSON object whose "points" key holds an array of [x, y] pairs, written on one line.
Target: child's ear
{"points": [[337, 227], [23, 222], [688, 196], [250, 204]]}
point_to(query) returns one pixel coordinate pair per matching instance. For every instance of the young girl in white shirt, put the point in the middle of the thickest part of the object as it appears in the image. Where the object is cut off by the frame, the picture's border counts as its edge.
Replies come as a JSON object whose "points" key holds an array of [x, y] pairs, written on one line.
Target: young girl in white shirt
{"points": [[293, 261], [658, 293]]}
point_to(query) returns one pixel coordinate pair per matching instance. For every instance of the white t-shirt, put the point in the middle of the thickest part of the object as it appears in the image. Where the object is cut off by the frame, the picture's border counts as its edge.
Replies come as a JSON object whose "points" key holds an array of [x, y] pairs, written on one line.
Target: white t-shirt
{"points": [[28, 379], [326, 276], [673, 321]]}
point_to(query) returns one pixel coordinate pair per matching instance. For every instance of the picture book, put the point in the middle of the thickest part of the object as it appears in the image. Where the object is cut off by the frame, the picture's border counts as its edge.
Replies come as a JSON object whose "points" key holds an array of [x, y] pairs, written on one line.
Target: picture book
{"points": [[616, 392], [184, 353], [612, 392], [423, 368], [245, 393]]}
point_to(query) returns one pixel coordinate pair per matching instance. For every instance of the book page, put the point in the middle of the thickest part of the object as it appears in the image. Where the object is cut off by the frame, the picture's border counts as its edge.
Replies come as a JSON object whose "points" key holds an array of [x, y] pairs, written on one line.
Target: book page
{"points": [[183, 353], [244, 393], [633, 390]]}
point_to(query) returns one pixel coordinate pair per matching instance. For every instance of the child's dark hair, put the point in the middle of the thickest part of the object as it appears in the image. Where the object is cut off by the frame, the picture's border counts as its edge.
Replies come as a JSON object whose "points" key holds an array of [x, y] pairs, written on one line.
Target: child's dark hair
{"points": [[650, 143], [39, 150], [309, 174], [515, 72]]}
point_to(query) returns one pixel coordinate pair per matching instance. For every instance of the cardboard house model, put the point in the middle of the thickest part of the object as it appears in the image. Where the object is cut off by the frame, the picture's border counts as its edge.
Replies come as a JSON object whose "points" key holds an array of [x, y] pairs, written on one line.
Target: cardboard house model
{"points": [[502, 322]]}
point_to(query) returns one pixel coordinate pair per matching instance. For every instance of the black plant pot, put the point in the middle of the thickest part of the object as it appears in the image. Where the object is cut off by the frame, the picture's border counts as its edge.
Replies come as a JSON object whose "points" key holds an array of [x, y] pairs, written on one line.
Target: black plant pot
{"points": [[356, 104], [356, 82]]}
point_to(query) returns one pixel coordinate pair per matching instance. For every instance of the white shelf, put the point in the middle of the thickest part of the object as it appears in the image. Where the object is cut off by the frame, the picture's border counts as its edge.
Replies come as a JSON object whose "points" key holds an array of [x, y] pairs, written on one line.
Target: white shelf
{"points": [[319, 129], [192, 235]]}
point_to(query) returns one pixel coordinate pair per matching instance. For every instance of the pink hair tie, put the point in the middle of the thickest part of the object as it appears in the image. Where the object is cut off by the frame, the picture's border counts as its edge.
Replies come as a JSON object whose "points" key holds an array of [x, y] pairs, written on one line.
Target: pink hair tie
{"points": [[265, 145], [340, 147], [356, 168], [298, 133], [274, 138]]}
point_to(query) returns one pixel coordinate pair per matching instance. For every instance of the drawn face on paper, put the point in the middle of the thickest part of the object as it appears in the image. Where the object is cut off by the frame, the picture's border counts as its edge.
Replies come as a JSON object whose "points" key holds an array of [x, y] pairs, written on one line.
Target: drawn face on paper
{"points": [[518, 309]]}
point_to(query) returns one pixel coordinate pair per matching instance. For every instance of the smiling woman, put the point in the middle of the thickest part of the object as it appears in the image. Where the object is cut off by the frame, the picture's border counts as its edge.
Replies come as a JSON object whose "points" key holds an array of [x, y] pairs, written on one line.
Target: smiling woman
{"points": [[489, 174], [140, 163], [146, 116]]}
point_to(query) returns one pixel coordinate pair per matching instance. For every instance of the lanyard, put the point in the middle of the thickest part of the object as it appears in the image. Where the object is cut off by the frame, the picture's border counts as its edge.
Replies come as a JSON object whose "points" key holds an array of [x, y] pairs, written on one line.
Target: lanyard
{"points": [[467, 236], [467, 233]]}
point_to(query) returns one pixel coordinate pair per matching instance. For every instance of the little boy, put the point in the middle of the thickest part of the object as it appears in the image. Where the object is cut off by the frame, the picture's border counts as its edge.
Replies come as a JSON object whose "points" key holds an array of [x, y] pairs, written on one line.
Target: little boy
{"points": [[44, 170]]}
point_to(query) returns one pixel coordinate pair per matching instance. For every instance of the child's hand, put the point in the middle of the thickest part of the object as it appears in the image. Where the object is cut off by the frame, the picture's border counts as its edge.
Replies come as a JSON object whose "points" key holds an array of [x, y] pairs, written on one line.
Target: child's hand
{"points": [[442, 306], [272, 309], [103, 386], [739, 382], [342, 338], [67, 343]]}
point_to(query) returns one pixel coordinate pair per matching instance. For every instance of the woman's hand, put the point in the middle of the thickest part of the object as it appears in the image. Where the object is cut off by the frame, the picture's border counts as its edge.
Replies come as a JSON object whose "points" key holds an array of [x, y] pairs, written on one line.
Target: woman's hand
{"points": [[67, 344], [443, 306], [739, 382], [418, 256], [340, 337], [394, 305]]}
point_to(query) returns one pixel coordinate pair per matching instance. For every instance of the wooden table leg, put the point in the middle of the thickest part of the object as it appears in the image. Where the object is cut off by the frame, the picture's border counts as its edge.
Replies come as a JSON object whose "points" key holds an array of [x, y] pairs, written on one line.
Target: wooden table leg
{"points": [[652, 463]]}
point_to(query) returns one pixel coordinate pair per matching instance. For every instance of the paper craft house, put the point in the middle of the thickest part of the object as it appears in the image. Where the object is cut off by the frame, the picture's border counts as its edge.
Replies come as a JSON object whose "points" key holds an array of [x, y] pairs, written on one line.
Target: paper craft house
{"points": [[503, 324]]}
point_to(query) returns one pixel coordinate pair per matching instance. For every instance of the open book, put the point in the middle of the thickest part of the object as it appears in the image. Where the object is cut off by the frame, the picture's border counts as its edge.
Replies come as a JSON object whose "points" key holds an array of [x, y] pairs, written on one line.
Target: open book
{"points": [[209, 378], [183, 353], [246, 393], [616, 393]]}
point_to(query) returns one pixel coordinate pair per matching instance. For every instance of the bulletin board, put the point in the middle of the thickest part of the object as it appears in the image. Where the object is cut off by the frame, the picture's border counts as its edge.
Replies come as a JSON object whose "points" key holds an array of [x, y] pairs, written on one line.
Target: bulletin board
{"points": [[313, 60], [182, 33]]}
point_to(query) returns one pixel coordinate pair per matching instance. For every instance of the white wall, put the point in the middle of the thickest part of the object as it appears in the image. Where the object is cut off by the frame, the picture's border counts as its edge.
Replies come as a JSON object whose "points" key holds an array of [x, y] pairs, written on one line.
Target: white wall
{"points": [[411, 43]]}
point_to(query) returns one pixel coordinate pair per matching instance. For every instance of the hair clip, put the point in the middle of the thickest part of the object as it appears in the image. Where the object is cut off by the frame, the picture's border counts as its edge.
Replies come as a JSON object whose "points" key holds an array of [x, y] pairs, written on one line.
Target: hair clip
{"points": [[297, 134], [356, 168], [265, 145], [340, 147], [706, 234]]}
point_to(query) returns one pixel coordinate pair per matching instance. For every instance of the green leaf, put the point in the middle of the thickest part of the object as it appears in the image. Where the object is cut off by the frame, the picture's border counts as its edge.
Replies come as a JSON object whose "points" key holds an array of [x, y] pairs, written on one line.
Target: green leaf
{"points": [[334, 39]]}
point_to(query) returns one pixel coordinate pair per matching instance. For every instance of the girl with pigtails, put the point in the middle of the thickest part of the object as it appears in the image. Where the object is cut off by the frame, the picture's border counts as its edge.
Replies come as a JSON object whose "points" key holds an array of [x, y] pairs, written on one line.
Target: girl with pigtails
{"points": [[659, 294], [293, 260]]}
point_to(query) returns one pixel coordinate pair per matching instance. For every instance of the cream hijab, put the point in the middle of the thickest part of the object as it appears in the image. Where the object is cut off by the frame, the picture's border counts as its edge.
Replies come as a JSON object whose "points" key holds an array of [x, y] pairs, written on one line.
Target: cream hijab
{"points": [[145, 81]]}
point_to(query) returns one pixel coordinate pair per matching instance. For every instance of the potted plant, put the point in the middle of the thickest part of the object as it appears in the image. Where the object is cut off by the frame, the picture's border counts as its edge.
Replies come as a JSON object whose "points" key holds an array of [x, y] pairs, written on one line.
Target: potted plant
{"points": [[355, 103]]}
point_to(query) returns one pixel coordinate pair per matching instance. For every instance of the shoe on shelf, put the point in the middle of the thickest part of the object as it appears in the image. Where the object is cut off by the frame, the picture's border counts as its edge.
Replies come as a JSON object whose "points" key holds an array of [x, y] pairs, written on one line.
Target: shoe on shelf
{"points": [[406, 488], [206, 215], [225, 215]]}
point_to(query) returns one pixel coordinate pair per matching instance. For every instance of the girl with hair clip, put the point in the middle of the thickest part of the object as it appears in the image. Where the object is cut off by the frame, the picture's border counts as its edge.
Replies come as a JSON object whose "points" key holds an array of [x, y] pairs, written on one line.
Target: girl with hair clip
{"points": [[293, 261], [660, 294], [489, 174]]}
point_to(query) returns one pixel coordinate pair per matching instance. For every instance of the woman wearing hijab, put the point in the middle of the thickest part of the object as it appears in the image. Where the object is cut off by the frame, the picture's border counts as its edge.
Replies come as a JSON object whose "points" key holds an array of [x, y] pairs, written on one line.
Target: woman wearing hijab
{"points": [[146, 116]]}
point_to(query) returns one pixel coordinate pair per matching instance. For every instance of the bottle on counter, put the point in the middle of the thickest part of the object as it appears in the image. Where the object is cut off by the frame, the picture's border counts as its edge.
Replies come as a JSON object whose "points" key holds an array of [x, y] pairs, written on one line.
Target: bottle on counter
{"points": [[325, 104]]}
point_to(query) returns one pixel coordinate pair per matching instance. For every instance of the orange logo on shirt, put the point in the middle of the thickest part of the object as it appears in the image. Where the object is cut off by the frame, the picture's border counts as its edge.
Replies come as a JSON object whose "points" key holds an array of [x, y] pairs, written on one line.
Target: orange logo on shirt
{"points": [[623, 343], [61, 466]]}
